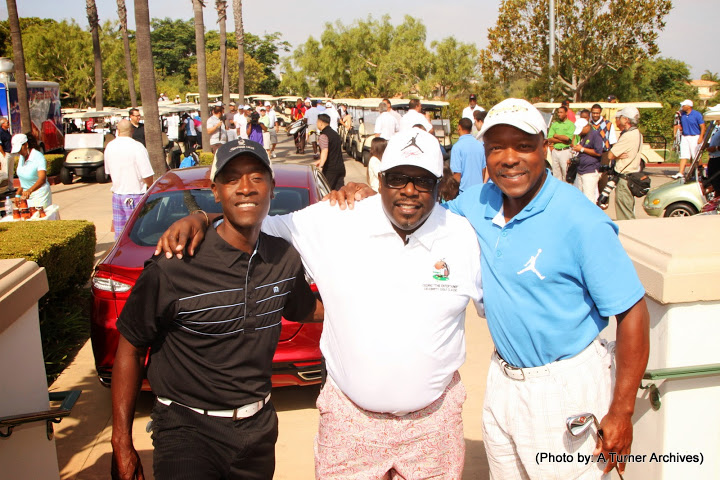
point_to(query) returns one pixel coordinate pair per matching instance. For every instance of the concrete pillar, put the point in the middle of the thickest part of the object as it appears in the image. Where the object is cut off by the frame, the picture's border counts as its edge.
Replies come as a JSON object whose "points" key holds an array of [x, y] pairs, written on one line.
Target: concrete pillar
{"points": [[678, 261], [27, 453]]}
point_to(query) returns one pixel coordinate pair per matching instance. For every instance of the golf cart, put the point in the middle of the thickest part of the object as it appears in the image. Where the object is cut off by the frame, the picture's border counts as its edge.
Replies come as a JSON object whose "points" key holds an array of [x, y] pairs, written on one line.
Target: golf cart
{"points": [[85, 147], [687, 195]]}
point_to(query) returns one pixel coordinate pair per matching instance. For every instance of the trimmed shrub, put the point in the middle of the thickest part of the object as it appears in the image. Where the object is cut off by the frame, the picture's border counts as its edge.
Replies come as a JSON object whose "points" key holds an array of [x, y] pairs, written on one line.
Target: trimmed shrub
{"points": [[54, 163], [205, 158], [66, 248]]}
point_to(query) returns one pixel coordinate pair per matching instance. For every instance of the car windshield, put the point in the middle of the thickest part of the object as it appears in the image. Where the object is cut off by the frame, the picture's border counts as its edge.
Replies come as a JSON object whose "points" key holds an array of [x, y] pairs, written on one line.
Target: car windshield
{"points": [[162, 209]]}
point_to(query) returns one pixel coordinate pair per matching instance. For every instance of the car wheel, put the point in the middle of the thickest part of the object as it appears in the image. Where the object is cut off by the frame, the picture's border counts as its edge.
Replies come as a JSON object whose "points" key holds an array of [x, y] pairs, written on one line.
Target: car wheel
{"points": [[66, 176], [365, 158], [100, 175], [680, 209]]}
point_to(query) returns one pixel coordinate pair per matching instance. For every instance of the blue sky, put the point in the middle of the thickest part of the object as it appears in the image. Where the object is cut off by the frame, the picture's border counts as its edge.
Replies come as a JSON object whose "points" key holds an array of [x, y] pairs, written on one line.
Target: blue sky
{"points": [[687, 36]]}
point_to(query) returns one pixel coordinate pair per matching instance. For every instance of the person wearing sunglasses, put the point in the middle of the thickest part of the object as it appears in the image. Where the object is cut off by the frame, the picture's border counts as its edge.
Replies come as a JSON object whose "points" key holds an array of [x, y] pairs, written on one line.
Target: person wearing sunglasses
{"points": [[395, 275]]}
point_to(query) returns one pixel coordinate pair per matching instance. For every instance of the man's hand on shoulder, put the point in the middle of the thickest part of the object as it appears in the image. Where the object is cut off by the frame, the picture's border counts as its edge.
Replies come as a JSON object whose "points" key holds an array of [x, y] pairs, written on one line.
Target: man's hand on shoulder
{"points": [[175, 238], [349, 194]]}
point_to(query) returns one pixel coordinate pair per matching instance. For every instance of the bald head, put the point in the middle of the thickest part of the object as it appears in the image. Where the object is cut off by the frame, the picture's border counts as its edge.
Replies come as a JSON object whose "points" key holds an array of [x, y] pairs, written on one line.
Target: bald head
{"points": [[124, 128]]}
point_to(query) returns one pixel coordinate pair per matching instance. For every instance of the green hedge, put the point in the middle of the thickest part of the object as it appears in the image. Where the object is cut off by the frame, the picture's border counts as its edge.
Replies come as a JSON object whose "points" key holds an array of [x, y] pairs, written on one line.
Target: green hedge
{"points": [[66, 248], [205, 158], [54, 163]]}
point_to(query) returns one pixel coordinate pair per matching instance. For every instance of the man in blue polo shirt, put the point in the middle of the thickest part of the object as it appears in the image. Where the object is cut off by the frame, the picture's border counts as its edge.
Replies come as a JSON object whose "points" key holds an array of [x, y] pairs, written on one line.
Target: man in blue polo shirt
{"points": [[467, 157], [553, 272], [693, 132]]}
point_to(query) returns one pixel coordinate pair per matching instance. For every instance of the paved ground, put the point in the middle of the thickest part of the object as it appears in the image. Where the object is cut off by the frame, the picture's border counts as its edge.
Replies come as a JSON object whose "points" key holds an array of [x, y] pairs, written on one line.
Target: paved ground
{"points": [[83, 440]]}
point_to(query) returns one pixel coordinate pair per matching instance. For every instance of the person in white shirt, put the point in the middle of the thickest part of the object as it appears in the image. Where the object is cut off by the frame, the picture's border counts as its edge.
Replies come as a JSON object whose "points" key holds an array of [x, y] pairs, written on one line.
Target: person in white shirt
{"points": [[272, 129], [415, 117], [241, 121], [377, 148], [392, 402], [332, 112], [386, 124], [128, 164], [216, 129], [472, 107]]}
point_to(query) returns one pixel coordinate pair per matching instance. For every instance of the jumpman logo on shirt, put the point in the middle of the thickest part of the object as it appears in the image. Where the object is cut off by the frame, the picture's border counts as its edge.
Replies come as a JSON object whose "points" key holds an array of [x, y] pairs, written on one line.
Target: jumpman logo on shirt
{"points": [[530, 265], [412, 143]]}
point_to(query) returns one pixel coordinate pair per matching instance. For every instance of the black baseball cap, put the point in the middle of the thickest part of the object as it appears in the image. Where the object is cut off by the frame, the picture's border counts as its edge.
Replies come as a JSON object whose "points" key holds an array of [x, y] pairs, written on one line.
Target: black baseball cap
{"points": [[235, 148], [473, 97]]}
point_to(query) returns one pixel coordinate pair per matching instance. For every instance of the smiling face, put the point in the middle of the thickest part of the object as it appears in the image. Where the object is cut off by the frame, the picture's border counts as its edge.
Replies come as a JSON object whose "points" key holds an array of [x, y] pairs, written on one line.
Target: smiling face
{"points": [[244, 187], [407, 208], [596, 113], [516, 164]]}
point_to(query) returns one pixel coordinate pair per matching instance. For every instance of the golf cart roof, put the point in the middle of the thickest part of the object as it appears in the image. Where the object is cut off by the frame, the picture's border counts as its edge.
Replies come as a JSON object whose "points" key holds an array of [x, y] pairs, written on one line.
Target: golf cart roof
{"points": [[712, 113], [603, 105], [109, 112]]}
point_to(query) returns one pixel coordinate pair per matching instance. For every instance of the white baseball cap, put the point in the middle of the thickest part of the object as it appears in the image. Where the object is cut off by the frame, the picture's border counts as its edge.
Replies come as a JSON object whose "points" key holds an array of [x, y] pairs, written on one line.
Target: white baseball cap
{"points": [[630, 112], [267, 104], [413, 147], [686, 103], [328, 103], [247, 107], [18, 140], [580, 123], [517, 113]]}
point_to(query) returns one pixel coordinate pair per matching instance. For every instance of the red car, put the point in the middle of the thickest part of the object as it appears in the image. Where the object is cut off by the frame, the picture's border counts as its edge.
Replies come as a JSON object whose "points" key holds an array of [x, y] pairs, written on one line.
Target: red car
{"points": [[297, 359]]}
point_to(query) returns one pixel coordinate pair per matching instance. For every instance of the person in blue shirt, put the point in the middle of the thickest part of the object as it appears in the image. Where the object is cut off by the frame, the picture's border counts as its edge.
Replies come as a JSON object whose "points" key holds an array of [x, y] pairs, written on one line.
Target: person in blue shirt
{"points": [[553, 272], [693, 132], [467, 157]]}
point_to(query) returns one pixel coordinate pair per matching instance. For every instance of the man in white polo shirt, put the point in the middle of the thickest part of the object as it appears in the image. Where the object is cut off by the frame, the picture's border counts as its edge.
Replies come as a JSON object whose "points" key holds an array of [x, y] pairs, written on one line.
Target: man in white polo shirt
{"points": [[393, 399], [414, 117], [128, 164], [386, 124]]}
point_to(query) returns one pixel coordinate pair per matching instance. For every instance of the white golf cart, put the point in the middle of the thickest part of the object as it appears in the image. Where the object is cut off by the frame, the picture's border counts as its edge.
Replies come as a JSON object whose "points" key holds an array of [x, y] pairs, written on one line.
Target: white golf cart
{"points": [[85, 147]]}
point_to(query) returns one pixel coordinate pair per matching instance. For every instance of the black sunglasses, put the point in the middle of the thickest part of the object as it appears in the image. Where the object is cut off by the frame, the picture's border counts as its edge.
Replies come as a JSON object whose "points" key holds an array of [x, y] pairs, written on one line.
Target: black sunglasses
{"points": [[398, 180]]}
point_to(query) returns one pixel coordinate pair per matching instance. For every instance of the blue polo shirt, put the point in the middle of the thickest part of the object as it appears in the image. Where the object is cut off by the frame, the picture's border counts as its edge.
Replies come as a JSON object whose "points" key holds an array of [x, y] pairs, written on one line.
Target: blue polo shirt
{"points": [[552, 275], [467, 158], [691, 122]]}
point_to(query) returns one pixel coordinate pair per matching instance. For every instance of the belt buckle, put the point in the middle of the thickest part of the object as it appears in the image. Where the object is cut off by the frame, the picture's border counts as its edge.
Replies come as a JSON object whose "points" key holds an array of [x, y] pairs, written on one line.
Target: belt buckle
{"points": [[507, 367]]}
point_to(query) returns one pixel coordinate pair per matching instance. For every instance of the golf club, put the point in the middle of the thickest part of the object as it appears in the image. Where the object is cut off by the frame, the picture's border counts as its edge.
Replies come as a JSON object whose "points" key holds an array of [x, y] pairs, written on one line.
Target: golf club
{"points": [[578, 424]]}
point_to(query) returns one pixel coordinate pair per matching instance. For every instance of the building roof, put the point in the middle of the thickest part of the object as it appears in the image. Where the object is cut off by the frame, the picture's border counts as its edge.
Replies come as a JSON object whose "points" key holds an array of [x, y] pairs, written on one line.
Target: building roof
{"points": [[703, 83]]}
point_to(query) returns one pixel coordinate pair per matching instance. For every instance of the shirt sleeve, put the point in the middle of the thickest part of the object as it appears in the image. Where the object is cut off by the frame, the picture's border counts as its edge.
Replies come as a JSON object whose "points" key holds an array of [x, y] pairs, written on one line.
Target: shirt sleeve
{"points": [[301, 300], [149, 308], [41, 162], [378, 124], [621, 146], [609, 274], [323, 142], [597, 144], [143, 162], [456, 160]]}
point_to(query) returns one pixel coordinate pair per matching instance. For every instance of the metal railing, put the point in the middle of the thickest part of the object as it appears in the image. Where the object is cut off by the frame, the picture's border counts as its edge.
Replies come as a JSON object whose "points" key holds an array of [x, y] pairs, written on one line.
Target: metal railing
{"points": [[675, 374], [54, 415]]}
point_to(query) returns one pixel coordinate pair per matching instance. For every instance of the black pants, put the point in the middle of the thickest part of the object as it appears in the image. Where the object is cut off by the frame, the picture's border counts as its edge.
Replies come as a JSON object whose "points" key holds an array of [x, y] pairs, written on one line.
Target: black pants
{"points": [[190, 446], [335, 179], [713, 173]]}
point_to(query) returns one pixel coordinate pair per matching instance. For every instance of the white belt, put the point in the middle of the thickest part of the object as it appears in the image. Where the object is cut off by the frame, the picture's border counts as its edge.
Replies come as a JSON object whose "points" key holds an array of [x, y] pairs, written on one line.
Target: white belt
{"points": [[517, 373], [241, 412]]}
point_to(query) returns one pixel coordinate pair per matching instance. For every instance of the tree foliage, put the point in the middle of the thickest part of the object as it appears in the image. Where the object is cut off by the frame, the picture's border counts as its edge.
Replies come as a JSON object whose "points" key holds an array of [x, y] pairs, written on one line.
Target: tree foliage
{"points": [[173, 45], [591, 36], [254, 71], [372, 57]]}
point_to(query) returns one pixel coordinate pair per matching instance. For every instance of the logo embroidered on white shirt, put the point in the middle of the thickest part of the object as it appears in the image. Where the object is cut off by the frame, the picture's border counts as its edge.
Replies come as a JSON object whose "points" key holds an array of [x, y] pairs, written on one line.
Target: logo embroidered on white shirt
{"points": [[530, 265]]}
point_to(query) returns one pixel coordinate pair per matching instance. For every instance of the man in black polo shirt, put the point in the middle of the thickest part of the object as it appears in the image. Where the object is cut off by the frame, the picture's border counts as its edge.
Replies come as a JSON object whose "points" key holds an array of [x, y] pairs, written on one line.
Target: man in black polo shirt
{"points": [[212, 324], [331, 158]]}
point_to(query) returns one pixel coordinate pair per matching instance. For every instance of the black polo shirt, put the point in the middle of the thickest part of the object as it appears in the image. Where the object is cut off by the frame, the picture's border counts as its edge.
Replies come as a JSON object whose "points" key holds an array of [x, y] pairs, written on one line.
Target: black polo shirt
{"points": [[212, 321], [6, 140], [334, 163], [138, 133]]}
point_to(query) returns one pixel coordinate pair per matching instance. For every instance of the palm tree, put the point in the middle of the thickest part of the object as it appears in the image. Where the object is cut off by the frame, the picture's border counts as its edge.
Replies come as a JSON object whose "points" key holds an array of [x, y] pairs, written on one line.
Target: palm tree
{"points": [[19, 60], [240, 37], [221, 6], [148, 91], [122, 15], [92, 15], [708, 75], [201, 67]]}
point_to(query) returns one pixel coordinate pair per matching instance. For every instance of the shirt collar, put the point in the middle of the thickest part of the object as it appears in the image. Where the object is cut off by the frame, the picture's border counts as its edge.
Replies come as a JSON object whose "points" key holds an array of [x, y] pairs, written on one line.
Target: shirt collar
{"points": [[229, 254], [537, 205], [431, 230]]}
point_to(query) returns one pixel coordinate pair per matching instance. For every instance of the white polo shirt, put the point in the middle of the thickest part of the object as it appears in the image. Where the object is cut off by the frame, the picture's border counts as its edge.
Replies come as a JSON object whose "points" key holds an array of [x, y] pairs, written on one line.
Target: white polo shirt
{"points": [[468, 112], [412, 118], [386, 125], [127, 162], [394, 329]]}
